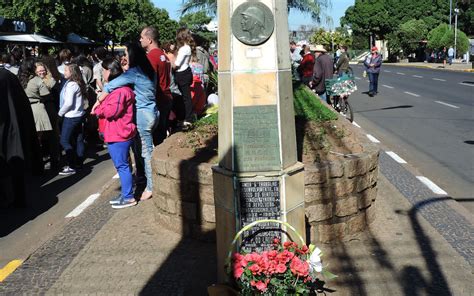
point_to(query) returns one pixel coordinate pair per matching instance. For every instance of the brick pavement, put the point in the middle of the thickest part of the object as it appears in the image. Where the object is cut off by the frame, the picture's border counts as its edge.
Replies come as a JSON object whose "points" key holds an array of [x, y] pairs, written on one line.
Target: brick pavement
{"points": [[409, 250]]}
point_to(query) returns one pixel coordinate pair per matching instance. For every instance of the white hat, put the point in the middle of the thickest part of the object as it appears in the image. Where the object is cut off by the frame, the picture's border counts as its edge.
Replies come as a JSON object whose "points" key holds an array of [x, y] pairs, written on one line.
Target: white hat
{"points": [[318, 47]]}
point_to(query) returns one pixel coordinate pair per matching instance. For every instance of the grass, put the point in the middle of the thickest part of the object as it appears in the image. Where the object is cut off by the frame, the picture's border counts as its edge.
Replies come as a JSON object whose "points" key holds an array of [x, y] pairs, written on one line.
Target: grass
{"points": [[309, 107]]}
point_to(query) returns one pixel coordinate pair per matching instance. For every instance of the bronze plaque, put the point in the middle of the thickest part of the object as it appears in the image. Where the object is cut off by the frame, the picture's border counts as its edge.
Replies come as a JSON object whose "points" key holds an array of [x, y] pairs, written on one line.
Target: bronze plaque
{"points": [[256, 139], [252, 23]]}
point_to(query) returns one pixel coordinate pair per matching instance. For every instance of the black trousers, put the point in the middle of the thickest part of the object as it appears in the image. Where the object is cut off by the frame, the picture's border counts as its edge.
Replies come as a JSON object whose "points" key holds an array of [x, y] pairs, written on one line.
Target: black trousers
{"points": [[184, 80]]}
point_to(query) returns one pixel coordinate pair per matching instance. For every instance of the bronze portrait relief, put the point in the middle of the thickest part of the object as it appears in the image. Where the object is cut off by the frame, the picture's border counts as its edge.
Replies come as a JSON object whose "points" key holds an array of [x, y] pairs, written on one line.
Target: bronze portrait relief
{"points": [[252, 23]]}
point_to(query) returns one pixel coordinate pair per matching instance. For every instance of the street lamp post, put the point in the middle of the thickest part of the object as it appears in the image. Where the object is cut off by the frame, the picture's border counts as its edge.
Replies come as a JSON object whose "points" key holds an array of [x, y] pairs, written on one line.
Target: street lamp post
{"points": [[456, 11], [450, 13]]}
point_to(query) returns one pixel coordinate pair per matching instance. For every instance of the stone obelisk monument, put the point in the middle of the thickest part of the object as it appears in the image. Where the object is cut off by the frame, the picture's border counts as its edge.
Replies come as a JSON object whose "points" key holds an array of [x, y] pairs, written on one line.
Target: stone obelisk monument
{"points": [[258, 176]]}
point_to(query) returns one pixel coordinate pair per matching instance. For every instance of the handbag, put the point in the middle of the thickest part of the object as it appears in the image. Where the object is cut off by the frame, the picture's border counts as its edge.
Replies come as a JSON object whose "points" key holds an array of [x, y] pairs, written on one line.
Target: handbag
{"points": [[364, 74]]}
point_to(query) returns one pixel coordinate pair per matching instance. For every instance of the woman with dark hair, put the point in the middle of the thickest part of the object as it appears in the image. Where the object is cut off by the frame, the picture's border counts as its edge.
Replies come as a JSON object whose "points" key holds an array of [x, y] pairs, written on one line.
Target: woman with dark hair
{"points": [[141, 77], [119, 130], [184, 75], [72, 108]]}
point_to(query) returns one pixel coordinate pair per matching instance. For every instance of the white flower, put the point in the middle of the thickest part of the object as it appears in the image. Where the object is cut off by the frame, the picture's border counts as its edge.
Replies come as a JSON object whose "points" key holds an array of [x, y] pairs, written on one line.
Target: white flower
{"points": [[315, 264]]}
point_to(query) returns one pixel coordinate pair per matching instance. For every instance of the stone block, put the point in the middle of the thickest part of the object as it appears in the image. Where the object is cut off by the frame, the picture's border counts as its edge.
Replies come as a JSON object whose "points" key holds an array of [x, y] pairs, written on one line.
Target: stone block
{"points": [[366, 197], [206, 194], [356, 166], [313, 193], [209, 213], [160, 166], [339, 188], [162, 184], [160, 201], [335, 169], [313, 175], [373, 158], [331, 232], [356, 224], [189, 210], [346, 207], [371, 214], [175, 169], [201, 174], [171, 206], [318, 212]]}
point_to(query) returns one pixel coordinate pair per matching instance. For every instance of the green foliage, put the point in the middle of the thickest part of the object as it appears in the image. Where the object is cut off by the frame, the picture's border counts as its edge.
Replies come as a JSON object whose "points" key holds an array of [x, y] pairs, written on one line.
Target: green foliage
{"points": [[119, 20], [196, 22], [385, 17], [328, 39], [407, 37], [309, 107], [314, 8], [443, 36]]}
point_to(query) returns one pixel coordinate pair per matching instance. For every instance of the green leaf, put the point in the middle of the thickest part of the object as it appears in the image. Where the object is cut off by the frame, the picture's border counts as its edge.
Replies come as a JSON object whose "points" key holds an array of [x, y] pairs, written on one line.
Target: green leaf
{"points": [[328, 275]]}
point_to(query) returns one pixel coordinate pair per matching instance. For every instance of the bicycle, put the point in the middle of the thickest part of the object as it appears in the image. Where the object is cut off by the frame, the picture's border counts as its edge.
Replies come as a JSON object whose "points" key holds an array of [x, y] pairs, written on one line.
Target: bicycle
{"points": [[338, 91]]}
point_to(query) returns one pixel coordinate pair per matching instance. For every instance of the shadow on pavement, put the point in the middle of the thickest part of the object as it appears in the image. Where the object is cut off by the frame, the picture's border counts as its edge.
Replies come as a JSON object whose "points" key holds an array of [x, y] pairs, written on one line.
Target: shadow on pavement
{"points": [[192, 266], [42, 194], [386, 108]]}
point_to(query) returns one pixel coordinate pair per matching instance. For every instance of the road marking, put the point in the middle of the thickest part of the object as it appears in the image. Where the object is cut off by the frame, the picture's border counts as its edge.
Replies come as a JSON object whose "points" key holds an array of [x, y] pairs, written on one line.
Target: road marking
{"points": [[399, 73], [354, 123], [411, 94], [466, 84], [80, 208], [9, 269], [432, 186], [438, 79], [372, 138], [396, 157], [387, 86], [417, 76], [358, 78], [446, 104], [116, 176], [387, 71]]}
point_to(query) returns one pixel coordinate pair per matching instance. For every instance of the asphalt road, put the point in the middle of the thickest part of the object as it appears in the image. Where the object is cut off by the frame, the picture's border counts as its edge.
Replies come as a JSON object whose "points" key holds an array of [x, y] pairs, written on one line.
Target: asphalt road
{"points": [[50, 198], [426, 117]]}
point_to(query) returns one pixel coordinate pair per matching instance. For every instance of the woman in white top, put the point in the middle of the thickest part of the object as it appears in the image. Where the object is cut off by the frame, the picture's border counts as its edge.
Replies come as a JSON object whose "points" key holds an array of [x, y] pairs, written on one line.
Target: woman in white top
{"points": [[72, 109], [183, 75]]}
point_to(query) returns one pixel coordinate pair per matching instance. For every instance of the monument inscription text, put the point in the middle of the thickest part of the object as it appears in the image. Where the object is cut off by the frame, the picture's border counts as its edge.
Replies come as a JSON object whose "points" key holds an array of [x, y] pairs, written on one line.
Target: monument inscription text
{"points": [[259, 200]]}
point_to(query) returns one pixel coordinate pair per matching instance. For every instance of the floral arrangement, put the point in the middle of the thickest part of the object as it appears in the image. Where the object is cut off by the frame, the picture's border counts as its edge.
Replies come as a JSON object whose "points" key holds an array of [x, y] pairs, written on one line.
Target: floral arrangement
{"points": [[285, 269]]}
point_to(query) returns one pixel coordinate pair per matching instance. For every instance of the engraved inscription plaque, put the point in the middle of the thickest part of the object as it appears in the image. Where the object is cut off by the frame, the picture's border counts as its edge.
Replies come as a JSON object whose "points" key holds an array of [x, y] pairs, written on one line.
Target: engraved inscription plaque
{"points": [[259, 200], [256, 139], [252, 23]]}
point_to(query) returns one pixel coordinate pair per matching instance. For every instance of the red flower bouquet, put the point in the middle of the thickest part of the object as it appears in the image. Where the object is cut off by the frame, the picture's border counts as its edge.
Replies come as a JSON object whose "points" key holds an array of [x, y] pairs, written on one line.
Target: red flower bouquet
{"points": [[285, 269]]}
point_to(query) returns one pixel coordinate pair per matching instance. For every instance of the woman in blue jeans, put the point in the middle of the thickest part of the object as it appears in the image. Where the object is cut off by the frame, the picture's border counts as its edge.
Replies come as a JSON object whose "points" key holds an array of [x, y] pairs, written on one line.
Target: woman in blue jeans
{"points": [[372, 64], [141, 77], [71, 106]]}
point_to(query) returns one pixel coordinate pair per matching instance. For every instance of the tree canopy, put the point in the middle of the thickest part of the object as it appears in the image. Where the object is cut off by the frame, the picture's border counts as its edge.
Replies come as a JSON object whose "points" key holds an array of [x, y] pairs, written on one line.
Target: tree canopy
{"points": [[382, 17], [118, 20], [443, 36], [315, 8]]}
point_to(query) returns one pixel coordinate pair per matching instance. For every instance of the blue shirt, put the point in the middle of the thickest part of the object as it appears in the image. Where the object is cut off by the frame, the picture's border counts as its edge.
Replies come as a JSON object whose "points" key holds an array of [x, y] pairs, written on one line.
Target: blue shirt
{"points": [[143, 88]]}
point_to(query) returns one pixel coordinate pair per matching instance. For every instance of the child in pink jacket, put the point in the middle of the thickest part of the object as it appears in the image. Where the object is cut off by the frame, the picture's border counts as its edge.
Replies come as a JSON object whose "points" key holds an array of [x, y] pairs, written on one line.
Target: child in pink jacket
{"points": [[119, 130]]}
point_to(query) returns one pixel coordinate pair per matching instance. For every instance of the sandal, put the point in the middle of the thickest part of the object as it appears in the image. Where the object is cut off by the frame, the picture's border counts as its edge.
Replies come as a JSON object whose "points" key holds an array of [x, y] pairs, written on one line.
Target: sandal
{"points": [[146, 195]]}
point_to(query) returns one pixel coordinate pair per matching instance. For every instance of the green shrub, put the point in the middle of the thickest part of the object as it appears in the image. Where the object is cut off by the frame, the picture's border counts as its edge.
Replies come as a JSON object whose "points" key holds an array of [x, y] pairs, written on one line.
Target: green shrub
{"points": [[309, 107]]}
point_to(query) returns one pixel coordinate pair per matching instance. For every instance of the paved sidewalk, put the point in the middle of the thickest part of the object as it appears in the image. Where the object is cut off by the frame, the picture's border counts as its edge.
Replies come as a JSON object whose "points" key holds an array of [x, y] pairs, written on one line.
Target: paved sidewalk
{"points": [[124, 252]]}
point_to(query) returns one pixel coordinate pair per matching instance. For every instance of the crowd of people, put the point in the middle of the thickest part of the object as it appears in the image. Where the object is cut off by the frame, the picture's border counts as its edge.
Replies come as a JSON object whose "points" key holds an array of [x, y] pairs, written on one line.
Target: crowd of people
{"points": [[131, 101], [312, 65]]}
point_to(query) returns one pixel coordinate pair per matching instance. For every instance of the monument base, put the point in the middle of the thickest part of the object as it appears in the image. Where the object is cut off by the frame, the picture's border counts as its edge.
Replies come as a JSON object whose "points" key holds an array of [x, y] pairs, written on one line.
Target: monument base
{"points": [[241, 198]]}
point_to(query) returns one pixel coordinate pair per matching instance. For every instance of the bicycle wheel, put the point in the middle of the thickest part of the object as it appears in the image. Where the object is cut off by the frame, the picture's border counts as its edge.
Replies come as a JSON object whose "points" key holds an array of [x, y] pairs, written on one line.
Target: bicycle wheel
{"points": [[346, 110]]}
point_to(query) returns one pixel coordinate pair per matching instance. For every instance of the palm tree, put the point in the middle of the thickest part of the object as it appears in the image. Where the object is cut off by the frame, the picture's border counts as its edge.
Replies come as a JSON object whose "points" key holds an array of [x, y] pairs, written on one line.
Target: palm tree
{"points": [[315, 8]]}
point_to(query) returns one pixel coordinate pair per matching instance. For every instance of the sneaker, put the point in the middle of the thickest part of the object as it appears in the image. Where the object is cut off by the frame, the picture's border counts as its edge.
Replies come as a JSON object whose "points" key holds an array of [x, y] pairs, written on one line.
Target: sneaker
{"points": [[67, 171], [125, 203], [116, 200]]}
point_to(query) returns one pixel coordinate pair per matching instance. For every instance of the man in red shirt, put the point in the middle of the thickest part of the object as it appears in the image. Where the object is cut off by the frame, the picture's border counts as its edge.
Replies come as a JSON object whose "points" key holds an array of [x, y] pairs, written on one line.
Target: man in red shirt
{"points": [[150, 41], [306, 66]]}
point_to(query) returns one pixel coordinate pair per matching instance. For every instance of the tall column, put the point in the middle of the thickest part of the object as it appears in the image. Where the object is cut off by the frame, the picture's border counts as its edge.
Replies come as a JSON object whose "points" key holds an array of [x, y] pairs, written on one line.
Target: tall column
{"points": [[258, 176]]}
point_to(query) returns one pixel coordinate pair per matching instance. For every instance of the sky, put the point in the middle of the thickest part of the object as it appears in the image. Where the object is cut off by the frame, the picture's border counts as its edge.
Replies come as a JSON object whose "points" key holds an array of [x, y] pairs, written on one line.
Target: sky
{"points": [[295, 18]]}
